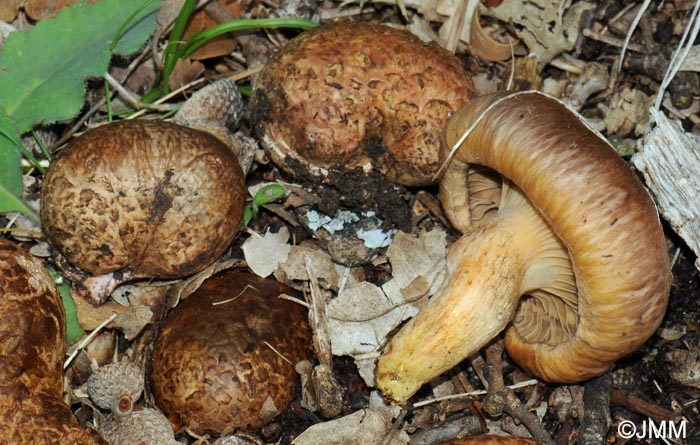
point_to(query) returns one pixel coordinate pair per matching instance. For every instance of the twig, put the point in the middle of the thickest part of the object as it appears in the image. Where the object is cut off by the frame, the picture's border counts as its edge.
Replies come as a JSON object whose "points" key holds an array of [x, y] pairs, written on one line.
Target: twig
{"points": [[479, 392], [623, 398], [130, 98], [612, 41], [501, 399], [86, 341], [633, 26]]}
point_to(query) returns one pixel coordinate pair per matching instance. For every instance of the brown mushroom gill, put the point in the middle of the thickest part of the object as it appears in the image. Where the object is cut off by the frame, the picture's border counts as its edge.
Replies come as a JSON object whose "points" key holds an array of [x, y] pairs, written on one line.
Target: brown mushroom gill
{"points": [[575, 231]]}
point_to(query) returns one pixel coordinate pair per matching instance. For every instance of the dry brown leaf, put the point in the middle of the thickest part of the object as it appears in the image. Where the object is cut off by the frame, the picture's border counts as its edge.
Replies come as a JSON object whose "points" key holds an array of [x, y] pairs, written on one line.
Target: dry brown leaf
{"points": [[184, 288], [43, 9], [361, 317], [153, 296], [130, 319], [417, 264], [542, 26], [168, 12], [184, 73], [305, 370], [265, 253], [367, 426], [329, 274], [629, 112], [692, 61], [218, 46]]}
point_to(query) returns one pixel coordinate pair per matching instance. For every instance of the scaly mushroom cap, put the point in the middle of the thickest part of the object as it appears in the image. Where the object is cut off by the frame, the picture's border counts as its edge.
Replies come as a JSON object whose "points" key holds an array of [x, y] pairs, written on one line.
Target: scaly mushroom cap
{"points": [[358, 95], [225, 357], [575, 233], [149, 198], [32, 335]]}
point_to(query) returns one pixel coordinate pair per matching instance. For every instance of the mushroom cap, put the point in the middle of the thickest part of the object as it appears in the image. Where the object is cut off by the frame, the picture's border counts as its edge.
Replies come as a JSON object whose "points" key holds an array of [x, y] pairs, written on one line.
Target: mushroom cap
{"points": [[357, 95], [32, 334], [598, 208], [150, 197], [214, 369]]}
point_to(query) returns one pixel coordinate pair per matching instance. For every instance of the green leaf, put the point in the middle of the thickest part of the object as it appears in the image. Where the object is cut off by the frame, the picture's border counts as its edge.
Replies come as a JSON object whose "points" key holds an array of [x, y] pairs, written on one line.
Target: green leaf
{"points": [[10, 166], [267, 194], [10, 202], [74, 331], [201, 37], [247, 216], [43, 69]]}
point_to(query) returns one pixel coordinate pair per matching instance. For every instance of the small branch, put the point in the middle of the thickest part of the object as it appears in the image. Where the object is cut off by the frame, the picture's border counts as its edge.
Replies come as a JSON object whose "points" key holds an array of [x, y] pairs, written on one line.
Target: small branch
{"points": [[633, 403], [501, 399], [130, 98]]}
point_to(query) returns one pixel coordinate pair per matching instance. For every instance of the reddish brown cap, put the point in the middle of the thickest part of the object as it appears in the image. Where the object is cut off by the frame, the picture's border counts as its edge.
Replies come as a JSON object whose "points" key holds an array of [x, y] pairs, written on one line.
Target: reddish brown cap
{"points": [[225, 357], [352, 95], [149, 197], [32, 334]]}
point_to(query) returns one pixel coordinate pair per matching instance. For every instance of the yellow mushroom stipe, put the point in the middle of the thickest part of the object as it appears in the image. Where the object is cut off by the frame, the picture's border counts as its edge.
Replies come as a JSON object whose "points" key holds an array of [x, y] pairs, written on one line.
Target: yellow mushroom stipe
{"points": [[491, 267]]}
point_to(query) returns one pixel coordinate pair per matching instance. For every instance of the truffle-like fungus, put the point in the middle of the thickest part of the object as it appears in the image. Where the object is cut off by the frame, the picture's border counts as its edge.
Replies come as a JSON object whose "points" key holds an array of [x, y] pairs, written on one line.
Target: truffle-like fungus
{"points": [[32, 335], [225, 357], [142, 199], [354, 95]]}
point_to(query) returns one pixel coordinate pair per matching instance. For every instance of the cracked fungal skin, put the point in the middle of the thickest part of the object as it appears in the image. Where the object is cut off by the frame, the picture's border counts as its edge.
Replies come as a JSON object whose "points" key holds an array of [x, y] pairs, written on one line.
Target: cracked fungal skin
{"points": [[32, 349], [150, 198], [214, 368], [354, 94]]}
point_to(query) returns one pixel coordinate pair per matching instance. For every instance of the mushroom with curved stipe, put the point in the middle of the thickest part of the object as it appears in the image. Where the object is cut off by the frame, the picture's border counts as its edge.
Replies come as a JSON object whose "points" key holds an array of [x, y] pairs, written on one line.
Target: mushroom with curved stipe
{"points": [[570, 258]]}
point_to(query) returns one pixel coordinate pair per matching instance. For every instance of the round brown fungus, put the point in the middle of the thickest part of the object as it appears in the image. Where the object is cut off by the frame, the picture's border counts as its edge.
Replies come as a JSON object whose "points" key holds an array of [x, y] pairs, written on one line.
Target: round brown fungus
{"points": [[225, 356], [354, 95], [139, 199], [32, 335]]}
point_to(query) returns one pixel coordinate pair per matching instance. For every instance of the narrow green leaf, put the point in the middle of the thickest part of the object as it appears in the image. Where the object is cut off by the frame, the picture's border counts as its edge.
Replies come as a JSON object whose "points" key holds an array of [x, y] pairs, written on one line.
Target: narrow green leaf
{"points": [[74, 331], [247, 216], [267, 194], [43, 69], [12, 203], [174, 43], [10, 166], [200, 38]]}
